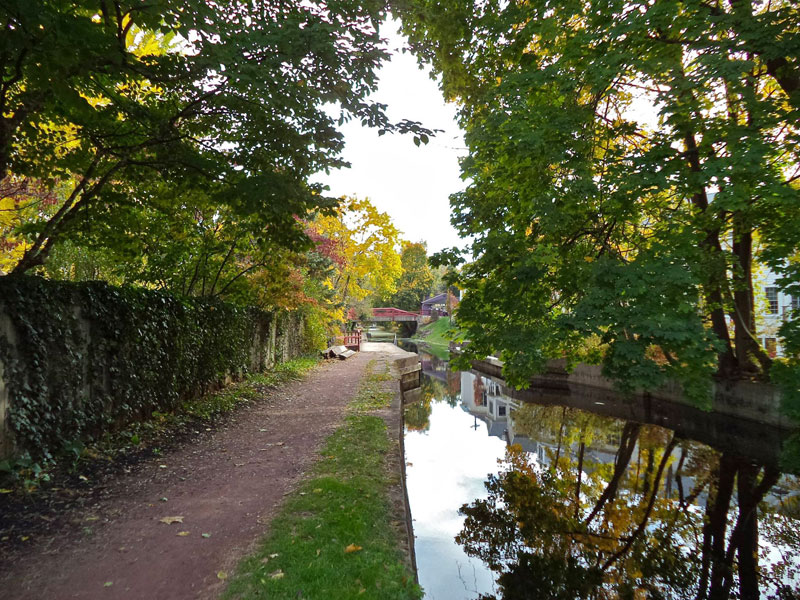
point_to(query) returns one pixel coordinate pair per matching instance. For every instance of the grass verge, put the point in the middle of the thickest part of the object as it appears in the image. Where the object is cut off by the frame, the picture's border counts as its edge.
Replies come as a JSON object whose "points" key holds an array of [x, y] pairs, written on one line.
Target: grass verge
{"points": [[249, 389], [437, 333], [370, 395], [334, 538]]}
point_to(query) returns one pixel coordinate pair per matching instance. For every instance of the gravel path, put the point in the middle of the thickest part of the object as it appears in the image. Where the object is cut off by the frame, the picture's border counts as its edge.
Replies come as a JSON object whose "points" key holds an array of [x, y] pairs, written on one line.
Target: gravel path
{"points": [[226, 486]]}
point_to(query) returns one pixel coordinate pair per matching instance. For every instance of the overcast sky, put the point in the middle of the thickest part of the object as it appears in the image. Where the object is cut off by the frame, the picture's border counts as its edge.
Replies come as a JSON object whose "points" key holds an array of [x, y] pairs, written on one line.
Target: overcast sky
{"points": [[411, 184]]}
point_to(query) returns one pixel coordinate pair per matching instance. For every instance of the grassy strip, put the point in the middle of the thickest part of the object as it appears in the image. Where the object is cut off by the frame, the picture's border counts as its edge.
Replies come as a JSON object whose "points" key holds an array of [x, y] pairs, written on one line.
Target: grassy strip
{"points": [[437, 333], [230, 397], [334, 538], [212, 406], [370, 395]]}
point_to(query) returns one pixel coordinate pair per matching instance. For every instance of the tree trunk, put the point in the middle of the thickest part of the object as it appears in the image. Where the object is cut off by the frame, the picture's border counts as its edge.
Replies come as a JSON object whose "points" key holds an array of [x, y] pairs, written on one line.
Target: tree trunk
{"points": [[581, 452], [630, 433], [747, 548], [716, 527], [749, 354], [715, 279]]}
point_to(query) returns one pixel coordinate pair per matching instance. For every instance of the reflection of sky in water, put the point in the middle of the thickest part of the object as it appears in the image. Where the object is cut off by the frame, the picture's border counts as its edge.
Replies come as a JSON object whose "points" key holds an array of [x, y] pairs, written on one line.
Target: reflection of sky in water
{"points": [[449, 465]]}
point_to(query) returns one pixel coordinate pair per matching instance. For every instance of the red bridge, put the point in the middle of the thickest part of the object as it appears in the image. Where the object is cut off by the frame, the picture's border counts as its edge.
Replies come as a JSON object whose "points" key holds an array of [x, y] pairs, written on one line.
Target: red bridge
{"points": [[393, 314]]}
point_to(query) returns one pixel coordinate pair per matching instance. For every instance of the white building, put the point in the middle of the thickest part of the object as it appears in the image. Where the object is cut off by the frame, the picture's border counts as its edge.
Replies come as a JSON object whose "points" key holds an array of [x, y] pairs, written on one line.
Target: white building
{"points": [[773, 307]]}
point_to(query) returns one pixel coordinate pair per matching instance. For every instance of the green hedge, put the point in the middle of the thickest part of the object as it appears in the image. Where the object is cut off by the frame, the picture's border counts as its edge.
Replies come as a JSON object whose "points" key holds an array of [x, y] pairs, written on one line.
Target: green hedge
{"points": [[85, 358]]}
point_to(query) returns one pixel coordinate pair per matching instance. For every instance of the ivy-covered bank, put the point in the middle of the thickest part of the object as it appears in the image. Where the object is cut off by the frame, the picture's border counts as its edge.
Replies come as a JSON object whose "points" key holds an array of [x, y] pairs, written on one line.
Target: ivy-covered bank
{"points": [[80, 359]]}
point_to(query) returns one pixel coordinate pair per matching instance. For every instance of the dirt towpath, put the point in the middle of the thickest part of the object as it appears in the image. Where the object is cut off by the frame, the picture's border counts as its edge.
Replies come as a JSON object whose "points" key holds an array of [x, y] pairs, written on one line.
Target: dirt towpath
{"points": [[226, 485]]}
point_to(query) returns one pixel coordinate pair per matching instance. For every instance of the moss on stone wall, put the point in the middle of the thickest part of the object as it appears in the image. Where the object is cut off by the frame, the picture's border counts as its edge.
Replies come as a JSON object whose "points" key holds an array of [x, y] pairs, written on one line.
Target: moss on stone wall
{"points": [[79, 359]]}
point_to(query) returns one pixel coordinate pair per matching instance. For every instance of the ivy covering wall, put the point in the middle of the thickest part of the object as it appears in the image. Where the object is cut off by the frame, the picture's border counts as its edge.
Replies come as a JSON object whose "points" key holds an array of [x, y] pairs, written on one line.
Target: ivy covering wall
{"points": [[79, 359]]}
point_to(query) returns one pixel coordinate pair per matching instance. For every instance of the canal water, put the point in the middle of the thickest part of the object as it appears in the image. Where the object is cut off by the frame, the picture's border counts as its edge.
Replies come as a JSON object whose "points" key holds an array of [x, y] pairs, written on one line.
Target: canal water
{"points": [[566, 494]]}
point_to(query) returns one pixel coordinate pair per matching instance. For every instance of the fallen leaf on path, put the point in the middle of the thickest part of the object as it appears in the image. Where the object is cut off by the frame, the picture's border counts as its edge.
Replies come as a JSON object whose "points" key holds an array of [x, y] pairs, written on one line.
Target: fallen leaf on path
{"points": [[352, 548], [171, 520], [108, 584], [205, 535], [183, 533], [277, 574], [222, 575], [5, 491], [276, 555]]}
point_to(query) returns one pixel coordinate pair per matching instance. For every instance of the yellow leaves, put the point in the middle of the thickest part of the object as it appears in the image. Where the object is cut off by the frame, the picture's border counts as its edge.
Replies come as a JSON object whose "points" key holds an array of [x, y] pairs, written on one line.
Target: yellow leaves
{"points": [[146, 43], [171, 520], [95, 101], [11, 247], [365, 243], [8, 209], [352, 548]]}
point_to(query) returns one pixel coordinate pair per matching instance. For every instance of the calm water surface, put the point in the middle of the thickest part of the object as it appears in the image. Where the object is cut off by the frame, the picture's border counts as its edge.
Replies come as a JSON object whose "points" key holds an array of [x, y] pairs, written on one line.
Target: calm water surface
{"points": [[533, 497]]}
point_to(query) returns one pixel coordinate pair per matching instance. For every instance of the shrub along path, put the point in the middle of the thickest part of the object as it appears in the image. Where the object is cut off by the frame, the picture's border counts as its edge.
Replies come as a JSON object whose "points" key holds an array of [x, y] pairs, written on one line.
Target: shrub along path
{"points": [[176, 526]]}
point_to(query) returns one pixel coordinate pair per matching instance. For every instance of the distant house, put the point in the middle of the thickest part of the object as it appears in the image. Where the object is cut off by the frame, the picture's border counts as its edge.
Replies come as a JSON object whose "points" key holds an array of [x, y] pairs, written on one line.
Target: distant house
{"points": [[440, 305], [772, 309]]}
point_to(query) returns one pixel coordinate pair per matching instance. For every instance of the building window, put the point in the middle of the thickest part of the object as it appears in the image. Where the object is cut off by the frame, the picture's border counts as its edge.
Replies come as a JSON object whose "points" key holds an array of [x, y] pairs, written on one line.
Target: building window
{"points": [[771, 346], [772, 299], [501, 410]]}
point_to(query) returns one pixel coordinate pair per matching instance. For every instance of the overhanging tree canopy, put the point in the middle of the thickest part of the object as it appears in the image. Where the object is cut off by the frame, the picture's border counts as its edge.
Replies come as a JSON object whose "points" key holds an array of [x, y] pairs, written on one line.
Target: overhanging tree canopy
{"points": [[226, 97], [629, 160]]}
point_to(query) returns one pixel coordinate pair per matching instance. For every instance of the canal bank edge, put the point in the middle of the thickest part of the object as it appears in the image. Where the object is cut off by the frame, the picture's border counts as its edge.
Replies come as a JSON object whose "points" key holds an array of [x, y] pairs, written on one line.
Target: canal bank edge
{"points": [[749, 400], [355, 496], [408, 370]]}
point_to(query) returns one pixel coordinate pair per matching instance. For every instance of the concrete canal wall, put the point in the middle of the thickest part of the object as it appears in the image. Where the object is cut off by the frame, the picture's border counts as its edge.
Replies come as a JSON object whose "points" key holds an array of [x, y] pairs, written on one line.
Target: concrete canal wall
{"points": [[755, 402]]}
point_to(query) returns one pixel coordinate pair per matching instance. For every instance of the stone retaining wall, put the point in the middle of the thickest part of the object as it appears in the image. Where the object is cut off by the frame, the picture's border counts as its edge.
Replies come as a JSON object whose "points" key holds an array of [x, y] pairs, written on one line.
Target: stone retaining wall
{"points": [[742, 399], [78, 360]]}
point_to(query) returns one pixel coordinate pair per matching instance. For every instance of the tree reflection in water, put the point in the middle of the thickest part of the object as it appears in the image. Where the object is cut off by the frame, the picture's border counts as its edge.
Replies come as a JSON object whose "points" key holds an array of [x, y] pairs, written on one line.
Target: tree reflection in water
{"points": [[613, 510], [444, 388]]}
